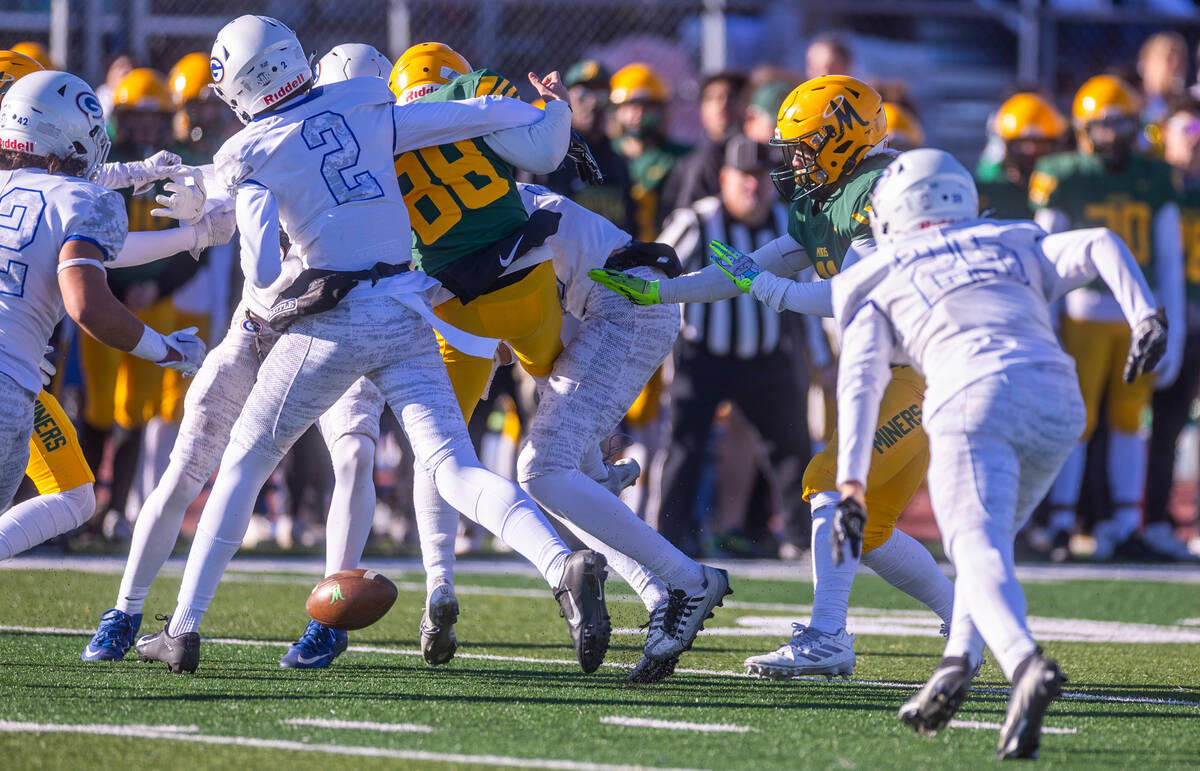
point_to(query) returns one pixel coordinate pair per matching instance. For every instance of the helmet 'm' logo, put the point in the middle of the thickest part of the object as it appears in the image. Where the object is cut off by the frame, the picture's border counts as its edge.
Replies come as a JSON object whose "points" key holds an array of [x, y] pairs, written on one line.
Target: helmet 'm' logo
{"points": [[218, 69], [89, 105], [844, 113]]}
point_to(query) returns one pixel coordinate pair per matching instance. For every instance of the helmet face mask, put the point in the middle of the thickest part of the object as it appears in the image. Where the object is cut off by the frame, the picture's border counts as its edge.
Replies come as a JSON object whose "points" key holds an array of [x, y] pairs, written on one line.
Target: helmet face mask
{"points": [[1112, 137], [801, 175]]}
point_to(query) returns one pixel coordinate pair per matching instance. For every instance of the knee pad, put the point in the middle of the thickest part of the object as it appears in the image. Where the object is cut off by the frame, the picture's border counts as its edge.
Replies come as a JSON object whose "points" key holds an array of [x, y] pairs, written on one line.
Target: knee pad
{"points": [[352, 455], [81, 502]]}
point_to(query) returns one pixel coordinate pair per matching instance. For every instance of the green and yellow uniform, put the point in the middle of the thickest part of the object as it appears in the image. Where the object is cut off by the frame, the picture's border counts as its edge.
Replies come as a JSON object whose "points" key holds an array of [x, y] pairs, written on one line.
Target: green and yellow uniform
{"points": [[997, 195], [461, 198], [1189, 215]]}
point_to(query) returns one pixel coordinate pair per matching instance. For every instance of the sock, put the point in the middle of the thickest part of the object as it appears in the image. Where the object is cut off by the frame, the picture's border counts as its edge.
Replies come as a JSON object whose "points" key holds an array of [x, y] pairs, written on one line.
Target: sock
{"points": [[1064, 493], [154, 535], [1126, 480], [649, 588], [831, 583], [503, 509], [39, 519], [352, 506], [437, 526], [575, 497], [907, 565], [964, 639]]}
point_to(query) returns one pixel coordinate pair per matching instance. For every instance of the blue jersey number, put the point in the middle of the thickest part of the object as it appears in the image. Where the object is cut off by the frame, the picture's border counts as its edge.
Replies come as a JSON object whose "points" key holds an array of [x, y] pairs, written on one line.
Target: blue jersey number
{"points": [[20, 214], [330, 130]]}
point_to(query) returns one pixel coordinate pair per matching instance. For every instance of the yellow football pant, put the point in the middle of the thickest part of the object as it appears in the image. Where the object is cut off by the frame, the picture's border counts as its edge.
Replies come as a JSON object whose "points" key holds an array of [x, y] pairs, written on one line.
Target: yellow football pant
{"points": [[899, 462], [526, 315], [1099, 349], [119, 387], [56, 461]]}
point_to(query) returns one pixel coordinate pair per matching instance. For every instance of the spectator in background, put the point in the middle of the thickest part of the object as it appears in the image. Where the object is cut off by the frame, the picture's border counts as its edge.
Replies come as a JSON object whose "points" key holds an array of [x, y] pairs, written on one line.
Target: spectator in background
{"points": [[587, 85], [732, 350], [763, 109], [106, 92], [697, 175], [640, 97], [1172, 405], [1163, 68], [827, 55], [1029, 127]]}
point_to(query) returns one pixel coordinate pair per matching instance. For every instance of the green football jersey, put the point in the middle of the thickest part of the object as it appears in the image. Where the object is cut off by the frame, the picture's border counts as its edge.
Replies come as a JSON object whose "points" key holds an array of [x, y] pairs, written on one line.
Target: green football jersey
{"points": [[460, 196], [1125, 202], [826, 230], [1189, 214], [1004, 199]]}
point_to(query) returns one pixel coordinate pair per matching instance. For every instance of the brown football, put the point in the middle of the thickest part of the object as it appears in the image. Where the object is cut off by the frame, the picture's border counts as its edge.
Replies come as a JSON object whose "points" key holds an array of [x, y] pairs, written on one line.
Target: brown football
{"points": [[351, 599]]}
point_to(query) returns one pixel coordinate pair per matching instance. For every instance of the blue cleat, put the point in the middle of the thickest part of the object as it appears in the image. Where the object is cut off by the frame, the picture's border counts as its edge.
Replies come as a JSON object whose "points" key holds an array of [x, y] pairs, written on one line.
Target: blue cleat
{"points": [[316, 648], [113, 637]]}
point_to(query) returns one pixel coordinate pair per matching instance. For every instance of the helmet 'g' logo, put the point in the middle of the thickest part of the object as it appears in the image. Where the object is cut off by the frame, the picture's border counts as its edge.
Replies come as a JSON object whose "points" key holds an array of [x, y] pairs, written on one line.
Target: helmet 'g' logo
{"points": [[218, 69], [89, 105], [844, 113]]}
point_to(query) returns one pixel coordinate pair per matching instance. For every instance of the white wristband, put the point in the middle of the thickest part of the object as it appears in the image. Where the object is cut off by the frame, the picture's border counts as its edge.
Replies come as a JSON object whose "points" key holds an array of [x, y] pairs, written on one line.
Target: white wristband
{"points": [[152, 346]]}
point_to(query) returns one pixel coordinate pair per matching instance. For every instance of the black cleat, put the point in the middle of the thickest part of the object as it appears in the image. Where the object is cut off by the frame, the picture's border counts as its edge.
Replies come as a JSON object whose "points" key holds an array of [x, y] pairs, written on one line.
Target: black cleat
{"points": [[1039, 683], [581, 596], [180, 654], [438, 642], [931, 708], [648, 671]]}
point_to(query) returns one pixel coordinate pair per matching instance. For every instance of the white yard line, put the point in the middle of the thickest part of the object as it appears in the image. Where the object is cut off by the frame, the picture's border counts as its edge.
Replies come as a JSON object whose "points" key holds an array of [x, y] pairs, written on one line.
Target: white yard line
{"points": [[571, 662], [1046, 729], [147, 732], [359, 725], [677, 725]]}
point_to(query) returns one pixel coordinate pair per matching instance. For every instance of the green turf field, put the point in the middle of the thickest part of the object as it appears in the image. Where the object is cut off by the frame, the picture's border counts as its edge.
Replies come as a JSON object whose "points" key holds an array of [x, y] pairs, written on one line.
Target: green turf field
{"points": [[514, 697]]}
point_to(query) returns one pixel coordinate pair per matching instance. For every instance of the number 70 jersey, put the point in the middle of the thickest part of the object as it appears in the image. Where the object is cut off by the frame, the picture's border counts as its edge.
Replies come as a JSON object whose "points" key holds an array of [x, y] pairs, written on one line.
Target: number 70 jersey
{"points": [[39, 212]]}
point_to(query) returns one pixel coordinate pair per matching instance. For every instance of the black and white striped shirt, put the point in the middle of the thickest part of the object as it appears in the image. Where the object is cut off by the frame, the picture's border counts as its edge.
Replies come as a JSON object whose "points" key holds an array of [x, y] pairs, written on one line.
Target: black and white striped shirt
{"points": [[740, 327]]}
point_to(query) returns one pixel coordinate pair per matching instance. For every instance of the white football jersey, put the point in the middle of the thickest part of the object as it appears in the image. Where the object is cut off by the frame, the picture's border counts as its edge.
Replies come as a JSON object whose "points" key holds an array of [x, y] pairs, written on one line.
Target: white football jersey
{"points": [[39, 212], [584, 241]]}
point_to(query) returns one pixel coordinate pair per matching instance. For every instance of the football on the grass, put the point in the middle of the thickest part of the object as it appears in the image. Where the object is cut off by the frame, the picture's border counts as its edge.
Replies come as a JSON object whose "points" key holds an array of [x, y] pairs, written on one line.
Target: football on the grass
{"points": [[351, 599]]}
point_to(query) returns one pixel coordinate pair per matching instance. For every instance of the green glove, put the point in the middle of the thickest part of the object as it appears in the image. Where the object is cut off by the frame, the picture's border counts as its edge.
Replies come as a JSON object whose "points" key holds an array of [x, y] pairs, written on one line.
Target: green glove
{"points": [[740, 267], [638, 291]]}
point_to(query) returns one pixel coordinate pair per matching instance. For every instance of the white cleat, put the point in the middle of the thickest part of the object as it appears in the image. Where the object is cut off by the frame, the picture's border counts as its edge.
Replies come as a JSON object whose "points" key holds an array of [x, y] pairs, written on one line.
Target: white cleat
{"points": [[675, 623], [809, 652], [621, 474]]}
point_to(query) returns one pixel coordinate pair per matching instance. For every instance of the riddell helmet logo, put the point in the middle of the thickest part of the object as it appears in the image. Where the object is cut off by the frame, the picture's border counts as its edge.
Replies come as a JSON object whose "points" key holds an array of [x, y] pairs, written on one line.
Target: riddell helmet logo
{"points": [[16, 144], [285, 89], [416, 92]]}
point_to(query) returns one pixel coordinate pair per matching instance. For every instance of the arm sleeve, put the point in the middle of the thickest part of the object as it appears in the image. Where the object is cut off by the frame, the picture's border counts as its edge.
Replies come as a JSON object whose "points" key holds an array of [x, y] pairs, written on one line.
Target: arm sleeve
{"points": [[97, 216], [784, 294], [422, 124], [781, 256], [150, 245], [1079, 256], [1051, 220], [1168, 273], [258, 223], [863, 375], [538, 147]]}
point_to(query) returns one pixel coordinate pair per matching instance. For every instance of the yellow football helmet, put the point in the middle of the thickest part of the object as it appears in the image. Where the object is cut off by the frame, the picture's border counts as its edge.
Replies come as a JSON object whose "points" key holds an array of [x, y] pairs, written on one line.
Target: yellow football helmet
{"points": [[36, 51], [423, 68], [189, 79], [143, 90], [1028, 116], [1104, 96], [825, 127], [637, 82], [13, 67], [904, 131]]}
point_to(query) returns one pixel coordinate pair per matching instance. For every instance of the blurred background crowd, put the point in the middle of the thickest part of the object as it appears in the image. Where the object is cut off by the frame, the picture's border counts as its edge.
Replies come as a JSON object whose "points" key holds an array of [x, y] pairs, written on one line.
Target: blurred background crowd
{"points": [[677, 100]]}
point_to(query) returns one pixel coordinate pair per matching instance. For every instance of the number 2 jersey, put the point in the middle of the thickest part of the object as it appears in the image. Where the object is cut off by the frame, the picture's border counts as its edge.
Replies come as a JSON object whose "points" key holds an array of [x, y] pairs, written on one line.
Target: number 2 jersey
{"points": [[39, 212]]}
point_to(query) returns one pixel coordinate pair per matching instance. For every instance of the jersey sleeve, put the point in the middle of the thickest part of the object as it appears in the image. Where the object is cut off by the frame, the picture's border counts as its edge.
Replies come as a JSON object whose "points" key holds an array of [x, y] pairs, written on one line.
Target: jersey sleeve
{"points": [[487, 83], [258, 222], [97, 216], [538, 148], [863, 375], [423, 124], [1079, 256]]}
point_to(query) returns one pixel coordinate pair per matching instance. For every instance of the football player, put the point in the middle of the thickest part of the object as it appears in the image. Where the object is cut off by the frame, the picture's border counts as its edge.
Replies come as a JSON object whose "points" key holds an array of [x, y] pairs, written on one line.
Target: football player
{"points": [[1107, 183], [1029, 127], [349, 313], [832, 133], [966, 301]]}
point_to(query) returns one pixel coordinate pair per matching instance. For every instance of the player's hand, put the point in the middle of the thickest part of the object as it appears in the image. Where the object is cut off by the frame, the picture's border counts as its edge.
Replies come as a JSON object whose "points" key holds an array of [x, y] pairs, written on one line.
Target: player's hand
{"points": [[849, 519], [185, 352], [48, 369], [214, 228], [1147, 346], [741, 268], [638, 291], [143, 174], [549, 88], [186, 199], [585, 163]]}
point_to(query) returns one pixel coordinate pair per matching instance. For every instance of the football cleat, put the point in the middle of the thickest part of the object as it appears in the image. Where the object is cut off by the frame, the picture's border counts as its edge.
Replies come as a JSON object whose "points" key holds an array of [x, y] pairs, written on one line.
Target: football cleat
{"points": [[316, 648], [621, 474], [114, 637], [438, 642], [809, 652], [581, 597], [649, 671], [180, 654], [1039, 684], [1160, 539], [675, 624], [1108, 539], [931, 708]]}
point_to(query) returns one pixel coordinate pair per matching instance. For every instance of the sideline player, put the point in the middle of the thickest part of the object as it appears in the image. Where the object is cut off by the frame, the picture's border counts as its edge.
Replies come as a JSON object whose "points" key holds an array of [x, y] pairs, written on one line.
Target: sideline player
{"points": [[966, 300], [834, 140]]}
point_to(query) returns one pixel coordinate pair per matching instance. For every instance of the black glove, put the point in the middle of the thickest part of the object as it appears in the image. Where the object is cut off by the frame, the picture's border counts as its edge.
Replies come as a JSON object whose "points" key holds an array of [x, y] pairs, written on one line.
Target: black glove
{"points": [[848, 522], [1147, 346], [585, 163]]}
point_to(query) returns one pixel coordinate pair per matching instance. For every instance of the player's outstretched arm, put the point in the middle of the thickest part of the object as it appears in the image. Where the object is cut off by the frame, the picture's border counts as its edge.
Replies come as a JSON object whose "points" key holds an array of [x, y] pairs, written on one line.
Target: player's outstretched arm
{"points": [[540, 147], [139, 175], [424, 124], [777, 292], [1079, 256]]}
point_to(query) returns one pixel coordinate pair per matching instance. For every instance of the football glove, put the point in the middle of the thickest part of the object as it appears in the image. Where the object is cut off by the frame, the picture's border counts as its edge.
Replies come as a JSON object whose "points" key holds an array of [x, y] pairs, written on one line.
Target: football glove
{"points": [[638, 291], [1147, 346], [191, 351], [214, 228], [186, 200], [139, 174], [741, 268], [849, 519], [585, 163]]}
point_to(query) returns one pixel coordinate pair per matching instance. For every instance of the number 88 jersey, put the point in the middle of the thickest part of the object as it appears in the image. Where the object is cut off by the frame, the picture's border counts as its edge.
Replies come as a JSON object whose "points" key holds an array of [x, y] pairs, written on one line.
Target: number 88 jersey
{"points": [[39, 212]]}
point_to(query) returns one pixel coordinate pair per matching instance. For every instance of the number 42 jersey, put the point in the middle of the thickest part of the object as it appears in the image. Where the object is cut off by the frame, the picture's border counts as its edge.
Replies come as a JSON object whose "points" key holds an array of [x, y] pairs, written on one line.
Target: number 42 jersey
{"points": [[39, 212]]}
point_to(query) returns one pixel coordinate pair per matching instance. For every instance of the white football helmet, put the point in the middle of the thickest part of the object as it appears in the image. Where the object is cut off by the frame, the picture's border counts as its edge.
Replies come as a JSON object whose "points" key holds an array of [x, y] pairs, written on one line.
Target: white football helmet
{"points": [[919, 189], [54, 113], [351, 60], [256, 63]]}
